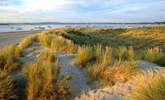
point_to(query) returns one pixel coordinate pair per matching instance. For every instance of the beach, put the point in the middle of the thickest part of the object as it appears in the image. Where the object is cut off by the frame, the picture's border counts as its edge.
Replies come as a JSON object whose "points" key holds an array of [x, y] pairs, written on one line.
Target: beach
{"points": [[7, 38]]}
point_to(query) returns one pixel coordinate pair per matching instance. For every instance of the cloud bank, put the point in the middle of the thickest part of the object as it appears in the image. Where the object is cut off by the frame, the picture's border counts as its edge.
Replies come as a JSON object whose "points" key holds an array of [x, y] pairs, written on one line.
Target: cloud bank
{"points": [[82, 10]]}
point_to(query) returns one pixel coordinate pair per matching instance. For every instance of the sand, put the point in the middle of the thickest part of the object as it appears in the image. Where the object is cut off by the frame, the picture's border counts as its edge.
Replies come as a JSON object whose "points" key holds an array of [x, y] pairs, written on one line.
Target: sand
{"points": [[7, 38]]}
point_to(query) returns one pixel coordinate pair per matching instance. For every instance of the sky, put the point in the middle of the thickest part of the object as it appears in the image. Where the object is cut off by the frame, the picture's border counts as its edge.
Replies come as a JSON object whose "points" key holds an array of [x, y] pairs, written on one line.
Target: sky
{"points": [[82, 11]]}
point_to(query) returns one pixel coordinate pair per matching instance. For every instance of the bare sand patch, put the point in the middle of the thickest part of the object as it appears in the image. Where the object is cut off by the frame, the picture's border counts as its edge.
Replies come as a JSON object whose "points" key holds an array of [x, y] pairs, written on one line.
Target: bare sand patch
{"points": [[7, 38]]}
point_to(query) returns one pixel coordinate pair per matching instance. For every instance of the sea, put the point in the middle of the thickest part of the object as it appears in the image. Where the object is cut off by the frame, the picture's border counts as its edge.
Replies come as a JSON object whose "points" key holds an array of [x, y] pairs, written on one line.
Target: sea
{"points": [[30, 27]]}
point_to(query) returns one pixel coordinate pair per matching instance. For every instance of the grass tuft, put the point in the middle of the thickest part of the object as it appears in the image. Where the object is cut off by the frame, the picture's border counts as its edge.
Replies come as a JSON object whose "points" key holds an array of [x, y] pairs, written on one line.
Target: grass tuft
{"points": [[84, 55], [9, 57], [150, 86], [26, 42], [44, 80], [155, 55], [121, 72], [7, 88]]}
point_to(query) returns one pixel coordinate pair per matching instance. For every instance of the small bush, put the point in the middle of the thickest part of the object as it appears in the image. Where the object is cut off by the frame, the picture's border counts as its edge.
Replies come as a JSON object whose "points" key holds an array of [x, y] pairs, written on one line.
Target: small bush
{"points": [[155, 55], [149, 86], [84, 55]]}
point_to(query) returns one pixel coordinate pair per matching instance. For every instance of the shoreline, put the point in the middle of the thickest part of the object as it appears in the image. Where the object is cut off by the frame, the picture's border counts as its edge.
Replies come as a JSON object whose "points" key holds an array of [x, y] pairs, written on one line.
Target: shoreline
{"points": [[22, 31], [7, 38]]}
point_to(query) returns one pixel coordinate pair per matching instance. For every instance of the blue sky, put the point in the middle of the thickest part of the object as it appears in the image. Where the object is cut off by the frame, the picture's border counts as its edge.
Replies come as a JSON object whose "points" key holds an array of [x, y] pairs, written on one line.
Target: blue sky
{"points": [[82, 10]]}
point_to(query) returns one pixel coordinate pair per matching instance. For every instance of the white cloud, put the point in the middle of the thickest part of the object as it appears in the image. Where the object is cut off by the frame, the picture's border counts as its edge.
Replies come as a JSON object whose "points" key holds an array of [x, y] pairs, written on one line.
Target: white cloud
{"points": [[43, 5], [33, 6]]}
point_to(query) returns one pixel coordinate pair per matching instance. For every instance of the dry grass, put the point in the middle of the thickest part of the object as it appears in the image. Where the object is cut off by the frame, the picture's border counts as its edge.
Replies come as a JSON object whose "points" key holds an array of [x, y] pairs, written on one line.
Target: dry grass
{"points": [[155, 55], [112, 74], [108, 65], [26, 42], [44, 80], [62, 44], [84, 55], [9, 57], [56, 41], [149, 86], [106, 57], [7, 88]]}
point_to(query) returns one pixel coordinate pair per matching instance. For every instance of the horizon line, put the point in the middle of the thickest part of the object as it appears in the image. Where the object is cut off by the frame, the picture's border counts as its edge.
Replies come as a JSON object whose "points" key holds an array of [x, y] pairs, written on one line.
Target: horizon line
{"points": [[161, 22]]}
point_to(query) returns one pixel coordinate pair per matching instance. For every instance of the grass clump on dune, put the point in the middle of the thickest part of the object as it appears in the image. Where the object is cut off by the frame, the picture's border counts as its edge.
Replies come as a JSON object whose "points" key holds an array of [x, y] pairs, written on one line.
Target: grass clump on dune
{"points": [[55, 41], [112, 74], [125, 54], [44, 81], [84, 55], [61, 44], [150, 86], [7, 87], [9, 58], [26, 42], [155, 55], [106, 57], [111, 68]]}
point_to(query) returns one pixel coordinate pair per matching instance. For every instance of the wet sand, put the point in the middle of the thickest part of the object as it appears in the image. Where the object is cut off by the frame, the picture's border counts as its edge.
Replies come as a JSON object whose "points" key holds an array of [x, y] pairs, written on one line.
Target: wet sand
{"points": [[7, 38]]}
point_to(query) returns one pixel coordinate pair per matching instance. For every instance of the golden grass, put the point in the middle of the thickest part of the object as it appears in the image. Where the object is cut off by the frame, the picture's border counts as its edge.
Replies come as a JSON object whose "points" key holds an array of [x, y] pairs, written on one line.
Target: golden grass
{"points": [[108, 65], [7, 88], [44, 81], [9, 57], [149, 86], [114, 60], [125, 54], [56, 42], [121, 72], [84, 55], [26, 42], [155, 55], [61, 44], [106, 57]]}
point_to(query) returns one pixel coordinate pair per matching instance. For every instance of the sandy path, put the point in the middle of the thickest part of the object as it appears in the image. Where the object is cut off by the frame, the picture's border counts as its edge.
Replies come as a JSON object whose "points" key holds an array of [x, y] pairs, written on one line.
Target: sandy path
{"points": [[78, 82]]}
